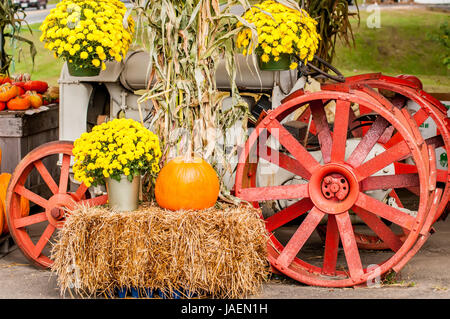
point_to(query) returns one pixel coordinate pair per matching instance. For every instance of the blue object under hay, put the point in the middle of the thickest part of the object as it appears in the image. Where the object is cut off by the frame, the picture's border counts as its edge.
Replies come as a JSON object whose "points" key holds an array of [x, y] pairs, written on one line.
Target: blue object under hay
{"points": [[150, 293]]}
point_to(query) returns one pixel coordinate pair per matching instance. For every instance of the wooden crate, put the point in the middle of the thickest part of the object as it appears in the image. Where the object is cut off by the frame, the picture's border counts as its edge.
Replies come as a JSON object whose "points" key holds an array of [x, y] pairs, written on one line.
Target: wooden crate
{"points": [[23, 131]]}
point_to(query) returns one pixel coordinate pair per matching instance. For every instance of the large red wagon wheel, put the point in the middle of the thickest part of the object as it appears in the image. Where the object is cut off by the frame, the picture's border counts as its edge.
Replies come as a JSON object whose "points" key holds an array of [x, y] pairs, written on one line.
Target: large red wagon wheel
{"points": [[334, 188], [406, 87], [52, 210]]}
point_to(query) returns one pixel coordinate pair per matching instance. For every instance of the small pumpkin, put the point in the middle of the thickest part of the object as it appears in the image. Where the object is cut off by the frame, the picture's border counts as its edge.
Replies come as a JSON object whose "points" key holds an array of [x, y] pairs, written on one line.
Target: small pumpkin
{"points": [[35, 99], [38, 86], [2, 106], [8, 92], [24, 203], [19, 103], [187, 185]]}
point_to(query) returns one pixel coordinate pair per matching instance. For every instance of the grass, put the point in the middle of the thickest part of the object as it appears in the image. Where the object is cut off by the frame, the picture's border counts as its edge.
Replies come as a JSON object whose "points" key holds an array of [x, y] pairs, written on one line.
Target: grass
{"points": [[46, 67], [402, 45]]}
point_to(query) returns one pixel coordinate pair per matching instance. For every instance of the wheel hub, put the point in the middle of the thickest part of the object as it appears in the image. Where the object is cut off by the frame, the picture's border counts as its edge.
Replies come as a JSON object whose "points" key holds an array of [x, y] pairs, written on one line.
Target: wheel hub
{"points": [[56, 209], [335, 186]]}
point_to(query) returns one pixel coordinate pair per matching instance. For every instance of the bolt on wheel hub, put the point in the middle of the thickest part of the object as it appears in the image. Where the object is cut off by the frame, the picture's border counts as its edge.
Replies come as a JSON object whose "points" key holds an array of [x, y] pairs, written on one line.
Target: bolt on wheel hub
{"points": [[335, 186]]}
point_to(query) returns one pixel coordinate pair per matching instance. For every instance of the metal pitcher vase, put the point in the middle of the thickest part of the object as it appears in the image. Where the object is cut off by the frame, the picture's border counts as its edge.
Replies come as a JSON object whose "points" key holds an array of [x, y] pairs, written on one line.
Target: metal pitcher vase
{"points": [[124, 195]]}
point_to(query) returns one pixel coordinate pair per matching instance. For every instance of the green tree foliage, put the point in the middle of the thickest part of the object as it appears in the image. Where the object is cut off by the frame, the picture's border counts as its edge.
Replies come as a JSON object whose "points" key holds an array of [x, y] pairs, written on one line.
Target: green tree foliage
{"points": [[11, 20]]}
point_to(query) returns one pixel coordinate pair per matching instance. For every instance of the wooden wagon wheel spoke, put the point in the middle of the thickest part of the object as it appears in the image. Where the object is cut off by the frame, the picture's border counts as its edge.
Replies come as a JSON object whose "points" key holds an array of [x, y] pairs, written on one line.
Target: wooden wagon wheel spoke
{"points": [[48, 179], [64, 177], [379, 228], [331, 247], [284, 161], [32, 197], [289, 213], [420, 116], [45, 237], [340, 130], [82, 189], [300, 237], [323, 131], [96, 201], [350, 248], [257, 194], [390, 213], [402, 168], [391, 155], [30, 220], [390, 181], [305, 159], [369, 140]]}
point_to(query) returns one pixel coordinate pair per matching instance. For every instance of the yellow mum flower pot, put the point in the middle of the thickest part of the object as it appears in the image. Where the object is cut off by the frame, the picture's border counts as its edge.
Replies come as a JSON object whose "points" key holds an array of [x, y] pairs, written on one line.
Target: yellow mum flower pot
{"points": [[271, 65], [74, 70]]}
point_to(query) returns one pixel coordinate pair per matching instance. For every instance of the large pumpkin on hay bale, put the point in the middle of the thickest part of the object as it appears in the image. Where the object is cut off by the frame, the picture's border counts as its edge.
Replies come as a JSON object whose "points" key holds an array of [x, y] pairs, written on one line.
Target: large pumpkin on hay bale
{"points": [[24, 203], [187, 185]]}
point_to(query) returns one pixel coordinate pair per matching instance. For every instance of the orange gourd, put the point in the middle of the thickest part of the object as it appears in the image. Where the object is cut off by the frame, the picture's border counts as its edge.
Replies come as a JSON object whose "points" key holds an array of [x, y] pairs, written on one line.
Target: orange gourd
{"points": [[35, 99], [7, 92], [187, 185], [24, 203], [19, 103]]}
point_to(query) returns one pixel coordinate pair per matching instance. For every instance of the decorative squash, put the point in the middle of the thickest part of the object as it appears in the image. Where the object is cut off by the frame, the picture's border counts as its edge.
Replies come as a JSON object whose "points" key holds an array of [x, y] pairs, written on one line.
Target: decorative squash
{"points": [[24, 203], [38, 86], [19, 103], [187, 185], [35, 99], [8, 92]]}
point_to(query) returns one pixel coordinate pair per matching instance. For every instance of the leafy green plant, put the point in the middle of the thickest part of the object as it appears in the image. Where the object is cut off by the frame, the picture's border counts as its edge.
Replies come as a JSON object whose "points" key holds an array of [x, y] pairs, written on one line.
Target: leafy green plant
{"points": [[12, 17], [333, 19]]}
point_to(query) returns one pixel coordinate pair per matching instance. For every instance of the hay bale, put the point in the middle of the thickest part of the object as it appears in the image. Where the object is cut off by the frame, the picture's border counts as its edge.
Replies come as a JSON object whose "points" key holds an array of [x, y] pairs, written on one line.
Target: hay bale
{"points": [[214, 253]]}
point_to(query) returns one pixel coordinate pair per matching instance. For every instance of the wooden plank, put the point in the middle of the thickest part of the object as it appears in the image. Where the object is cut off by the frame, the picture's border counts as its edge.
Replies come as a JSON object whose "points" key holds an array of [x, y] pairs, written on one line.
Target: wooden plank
{"points": [[20, 124]]}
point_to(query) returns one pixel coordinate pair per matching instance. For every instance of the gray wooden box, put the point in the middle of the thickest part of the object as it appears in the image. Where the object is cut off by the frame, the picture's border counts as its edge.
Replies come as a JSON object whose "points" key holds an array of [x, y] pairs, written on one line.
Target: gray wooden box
{"points": [[20, 133]]}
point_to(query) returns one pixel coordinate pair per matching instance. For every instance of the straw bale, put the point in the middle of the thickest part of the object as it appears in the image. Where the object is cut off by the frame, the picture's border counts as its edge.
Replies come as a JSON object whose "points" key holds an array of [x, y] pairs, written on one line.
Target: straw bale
{"points": [[215, 253]]}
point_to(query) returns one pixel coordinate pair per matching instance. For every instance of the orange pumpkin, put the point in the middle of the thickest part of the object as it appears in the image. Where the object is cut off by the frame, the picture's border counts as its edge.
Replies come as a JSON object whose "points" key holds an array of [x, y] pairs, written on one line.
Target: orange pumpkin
{"points": [[19, 103], [24, 203], [187, 185]]}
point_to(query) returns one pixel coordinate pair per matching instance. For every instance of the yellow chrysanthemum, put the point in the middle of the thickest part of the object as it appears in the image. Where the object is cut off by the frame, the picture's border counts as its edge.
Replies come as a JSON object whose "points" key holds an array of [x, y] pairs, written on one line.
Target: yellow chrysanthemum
{"points": [[281, 30], [118, 147], [74, 25]]}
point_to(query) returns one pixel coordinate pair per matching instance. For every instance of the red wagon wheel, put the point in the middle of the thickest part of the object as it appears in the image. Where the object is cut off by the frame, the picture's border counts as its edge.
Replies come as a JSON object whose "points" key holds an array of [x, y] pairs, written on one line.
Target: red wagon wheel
{"points": [[333, 189], [52, 209], [406, 87]]}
